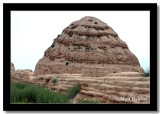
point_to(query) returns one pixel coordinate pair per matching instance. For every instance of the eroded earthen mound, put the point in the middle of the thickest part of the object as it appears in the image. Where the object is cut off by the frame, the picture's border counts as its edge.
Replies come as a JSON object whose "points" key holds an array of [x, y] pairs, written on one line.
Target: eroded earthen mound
{"points": [[89, 47], [12, 68], [22, 75]]}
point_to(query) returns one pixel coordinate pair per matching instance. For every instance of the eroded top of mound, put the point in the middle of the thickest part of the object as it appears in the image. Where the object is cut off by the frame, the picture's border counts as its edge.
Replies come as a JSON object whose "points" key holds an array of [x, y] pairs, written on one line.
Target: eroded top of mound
{"points": [[91, 40]]}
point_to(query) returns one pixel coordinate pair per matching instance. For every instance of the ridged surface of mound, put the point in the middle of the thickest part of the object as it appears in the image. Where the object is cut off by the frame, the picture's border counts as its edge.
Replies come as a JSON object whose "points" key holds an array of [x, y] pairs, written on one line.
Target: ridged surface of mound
{"points": [[90, 47]]}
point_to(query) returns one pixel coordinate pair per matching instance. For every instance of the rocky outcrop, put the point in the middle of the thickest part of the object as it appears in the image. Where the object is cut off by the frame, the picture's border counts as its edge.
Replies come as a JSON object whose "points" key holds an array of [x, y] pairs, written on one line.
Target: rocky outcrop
{"points": [[22, 75], [12, 67], [90, 47]]}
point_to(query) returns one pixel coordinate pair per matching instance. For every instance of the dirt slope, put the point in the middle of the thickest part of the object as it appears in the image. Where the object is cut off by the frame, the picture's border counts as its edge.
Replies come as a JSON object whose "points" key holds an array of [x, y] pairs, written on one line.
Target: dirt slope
{"points": [[113, 88]]}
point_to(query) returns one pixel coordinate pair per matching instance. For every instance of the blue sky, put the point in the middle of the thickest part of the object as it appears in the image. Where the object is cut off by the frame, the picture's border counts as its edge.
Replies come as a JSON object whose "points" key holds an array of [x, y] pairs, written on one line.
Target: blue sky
{"points": [[32, 32]]}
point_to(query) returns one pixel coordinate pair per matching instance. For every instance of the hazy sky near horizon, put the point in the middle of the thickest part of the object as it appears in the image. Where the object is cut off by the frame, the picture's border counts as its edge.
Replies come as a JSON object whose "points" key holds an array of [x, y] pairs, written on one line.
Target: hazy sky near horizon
{"points": [[32, 32]]}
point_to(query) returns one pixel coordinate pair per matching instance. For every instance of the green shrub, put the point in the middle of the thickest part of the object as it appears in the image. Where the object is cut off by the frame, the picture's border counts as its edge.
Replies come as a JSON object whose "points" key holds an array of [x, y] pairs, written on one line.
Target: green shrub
{"points": [[87, 101], [35, 94], [54, 80], [72, 91], [19, 94], [19, 85], [47, 96], [52, 45], [146, 72]]}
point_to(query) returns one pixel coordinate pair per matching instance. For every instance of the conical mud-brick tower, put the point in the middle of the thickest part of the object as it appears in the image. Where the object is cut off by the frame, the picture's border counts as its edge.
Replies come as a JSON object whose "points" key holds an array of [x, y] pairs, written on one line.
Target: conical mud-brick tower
{"points": [[89, 47]]}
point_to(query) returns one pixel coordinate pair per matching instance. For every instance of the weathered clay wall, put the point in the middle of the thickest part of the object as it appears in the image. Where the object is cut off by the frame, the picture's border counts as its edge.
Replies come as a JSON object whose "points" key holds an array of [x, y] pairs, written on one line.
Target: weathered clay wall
{"points": [[80, 68], [88, 42]]}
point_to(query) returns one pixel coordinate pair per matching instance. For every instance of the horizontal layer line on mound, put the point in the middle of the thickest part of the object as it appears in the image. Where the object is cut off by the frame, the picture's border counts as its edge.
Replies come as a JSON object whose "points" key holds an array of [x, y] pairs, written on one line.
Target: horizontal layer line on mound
{"points": [[112, 83], [90, 34], [81, 42], [91, 26], [114, 92], [104, 60]]}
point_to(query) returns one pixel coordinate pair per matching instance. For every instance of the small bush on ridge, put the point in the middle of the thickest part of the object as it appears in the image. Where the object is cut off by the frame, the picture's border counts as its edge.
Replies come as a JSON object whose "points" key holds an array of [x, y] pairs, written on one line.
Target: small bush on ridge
{"points": [[54, 80], [72, 91]]}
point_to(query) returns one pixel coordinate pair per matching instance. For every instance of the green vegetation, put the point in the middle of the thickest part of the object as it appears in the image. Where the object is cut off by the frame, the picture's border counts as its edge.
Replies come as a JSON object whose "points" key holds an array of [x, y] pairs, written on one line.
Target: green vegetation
{"points": [[72, 91], [54, 80], [52, 45], [146, 72], [26, 93], [19, 85], [87, 101]]}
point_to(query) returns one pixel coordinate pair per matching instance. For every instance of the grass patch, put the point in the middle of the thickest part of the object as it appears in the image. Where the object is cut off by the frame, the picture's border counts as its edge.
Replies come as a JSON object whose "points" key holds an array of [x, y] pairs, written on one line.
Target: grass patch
{"points": [[19, 85], [72, 91], [26, 93], [87, 101]]}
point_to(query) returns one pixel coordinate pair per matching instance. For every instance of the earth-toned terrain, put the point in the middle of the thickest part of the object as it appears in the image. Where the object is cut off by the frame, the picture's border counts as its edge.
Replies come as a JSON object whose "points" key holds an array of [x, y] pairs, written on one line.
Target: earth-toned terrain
{"points": [[90, 53], [112, 88]]}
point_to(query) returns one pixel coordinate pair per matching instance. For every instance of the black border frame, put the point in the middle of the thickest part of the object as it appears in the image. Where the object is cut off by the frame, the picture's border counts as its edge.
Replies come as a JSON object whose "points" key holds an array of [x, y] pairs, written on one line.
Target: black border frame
{"points": [[8, 7]]}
